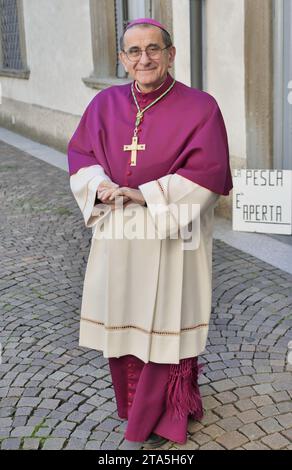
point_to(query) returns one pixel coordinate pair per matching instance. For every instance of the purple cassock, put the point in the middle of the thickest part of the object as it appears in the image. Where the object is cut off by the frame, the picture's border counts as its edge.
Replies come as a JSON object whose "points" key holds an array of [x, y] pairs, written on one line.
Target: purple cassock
{"points": [[184, 133]]}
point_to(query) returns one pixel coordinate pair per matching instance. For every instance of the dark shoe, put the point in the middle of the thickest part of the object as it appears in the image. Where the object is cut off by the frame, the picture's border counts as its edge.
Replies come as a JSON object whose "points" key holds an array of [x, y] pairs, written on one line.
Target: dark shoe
{"points": [[154, 441]]}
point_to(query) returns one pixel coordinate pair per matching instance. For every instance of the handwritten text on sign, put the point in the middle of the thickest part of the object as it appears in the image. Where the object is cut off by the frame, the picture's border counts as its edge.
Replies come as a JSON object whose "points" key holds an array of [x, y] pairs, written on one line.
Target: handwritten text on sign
{"points": [[262, 201]]}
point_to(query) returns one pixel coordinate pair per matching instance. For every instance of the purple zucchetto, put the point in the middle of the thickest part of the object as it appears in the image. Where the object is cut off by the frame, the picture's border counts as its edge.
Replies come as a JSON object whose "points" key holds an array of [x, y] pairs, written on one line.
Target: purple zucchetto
{"points": [[146, 21]]}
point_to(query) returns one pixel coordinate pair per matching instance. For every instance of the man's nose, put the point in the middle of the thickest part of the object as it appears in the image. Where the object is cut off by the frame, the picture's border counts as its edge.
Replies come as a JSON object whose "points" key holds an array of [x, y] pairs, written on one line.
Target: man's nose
{"points": [[144, 59]]}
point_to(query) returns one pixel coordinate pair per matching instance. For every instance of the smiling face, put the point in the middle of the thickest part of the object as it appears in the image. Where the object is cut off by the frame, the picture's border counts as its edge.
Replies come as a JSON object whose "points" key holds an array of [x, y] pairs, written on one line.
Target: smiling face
{"points": [[148, 72]]}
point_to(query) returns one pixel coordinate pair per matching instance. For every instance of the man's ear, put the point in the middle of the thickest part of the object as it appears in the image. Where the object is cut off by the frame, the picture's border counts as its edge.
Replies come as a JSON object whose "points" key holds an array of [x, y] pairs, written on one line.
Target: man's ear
{"points": [[172, 53], [121, 57]]}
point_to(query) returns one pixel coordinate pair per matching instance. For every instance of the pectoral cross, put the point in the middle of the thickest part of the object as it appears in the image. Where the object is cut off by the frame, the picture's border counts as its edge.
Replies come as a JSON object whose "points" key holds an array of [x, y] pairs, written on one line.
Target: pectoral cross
{"points": [[134, 147]]}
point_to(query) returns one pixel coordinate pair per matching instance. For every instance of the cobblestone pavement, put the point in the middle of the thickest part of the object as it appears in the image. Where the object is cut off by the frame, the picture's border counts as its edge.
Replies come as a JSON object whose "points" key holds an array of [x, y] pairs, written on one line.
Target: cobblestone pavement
{"points": [[57, 395]]}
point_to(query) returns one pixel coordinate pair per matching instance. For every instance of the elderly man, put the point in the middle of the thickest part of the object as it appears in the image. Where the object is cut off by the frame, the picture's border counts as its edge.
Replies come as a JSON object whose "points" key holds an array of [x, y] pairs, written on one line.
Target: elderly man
{"points": [[153, 146]]}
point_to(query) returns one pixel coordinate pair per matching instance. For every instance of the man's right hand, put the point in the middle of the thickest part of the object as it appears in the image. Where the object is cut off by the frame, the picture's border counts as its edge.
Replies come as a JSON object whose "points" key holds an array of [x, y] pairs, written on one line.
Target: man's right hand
{"points": [[105, 190]]}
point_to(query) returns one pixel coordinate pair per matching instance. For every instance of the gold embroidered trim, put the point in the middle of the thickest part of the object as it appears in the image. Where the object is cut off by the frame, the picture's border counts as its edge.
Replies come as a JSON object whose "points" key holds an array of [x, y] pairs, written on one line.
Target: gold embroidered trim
{"points": [[162, 190], [161, 333]]}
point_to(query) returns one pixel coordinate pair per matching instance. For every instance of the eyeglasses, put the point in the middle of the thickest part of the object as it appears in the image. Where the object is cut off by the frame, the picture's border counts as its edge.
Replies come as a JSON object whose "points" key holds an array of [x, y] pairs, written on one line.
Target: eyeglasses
{"points": [[153, 52]]}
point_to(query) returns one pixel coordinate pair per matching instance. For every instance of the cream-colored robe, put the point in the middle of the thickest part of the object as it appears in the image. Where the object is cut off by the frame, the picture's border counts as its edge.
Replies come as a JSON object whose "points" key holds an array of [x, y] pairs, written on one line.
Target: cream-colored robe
{"points": [[146, 297]]}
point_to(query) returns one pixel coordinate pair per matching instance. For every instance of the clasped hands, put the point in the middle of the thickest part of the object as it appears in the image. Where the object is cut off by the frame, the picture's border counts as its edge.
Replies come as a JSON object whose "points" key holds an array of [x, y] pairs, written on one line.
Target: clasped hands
{"points": [[108, 191]]}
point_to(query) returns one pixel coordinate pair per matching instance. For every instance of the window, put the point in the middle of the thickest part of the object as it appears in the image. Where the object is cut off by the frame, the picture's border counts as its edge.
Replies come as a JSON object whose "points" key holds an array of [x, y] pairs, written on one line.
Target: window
{"points": [[12, 41], [125, 11], [108, 18]]}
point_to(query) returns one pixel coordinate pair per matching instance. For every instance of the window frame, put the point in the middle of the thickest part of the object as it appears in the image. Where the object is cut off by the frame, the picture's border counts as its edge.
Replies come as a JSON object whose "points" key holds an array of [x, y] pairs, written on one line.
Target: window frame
{"points": [[23, 73]]}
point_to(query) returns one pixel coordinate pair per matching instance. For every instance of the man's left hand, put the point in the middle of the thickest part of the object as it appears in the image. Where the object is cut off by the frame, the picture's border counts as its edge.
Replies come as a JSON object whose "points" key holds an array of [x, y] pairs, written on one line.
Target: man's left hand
{"points": [[135, 195]]}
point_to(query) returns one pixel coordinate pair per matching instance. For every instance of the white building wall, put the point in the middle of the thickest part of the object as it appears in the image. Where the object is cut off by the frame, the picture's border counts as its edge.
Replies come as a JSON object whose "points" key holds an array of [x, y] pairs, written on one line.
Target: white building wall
{"points": [[225, 71], [59, 54]]}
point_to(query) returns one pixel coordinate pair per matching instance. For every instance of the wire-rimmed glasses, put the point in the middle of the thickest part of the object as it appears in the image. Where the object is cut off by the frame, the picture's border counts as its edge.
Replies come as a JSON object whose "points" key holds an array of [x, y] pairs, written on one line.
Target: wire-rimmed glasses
{"points": [[153, 52]]}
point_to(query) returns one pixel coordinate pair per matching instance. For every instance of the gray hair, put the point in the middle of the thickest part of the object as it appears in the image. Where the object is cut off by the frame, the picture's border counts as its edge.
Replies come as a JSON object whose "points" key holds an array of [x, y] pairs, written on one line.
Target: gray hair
{"points": [[166, 38]]}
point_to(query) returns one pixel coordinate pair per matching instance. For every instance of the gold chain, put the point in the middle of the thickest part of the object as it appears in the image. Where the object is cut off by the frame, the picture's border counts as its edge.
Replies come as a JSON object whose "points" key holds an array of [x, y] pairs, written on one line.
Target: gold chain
{"points": [[139, 115]]}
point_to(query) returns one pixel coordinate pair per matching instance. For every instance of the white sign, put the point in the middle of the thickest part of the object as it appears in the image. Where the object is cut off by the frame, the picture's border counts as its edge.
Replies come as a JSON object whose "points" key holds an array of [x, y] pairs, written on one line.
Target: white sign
{"points": [[262, 201]]}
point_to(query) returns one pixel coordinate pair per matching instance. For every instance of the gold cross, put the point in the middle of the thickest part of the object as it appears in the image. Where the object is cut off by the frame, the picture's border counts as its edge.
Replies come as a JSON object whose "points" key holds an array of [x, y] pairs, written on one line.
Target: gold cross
{"points": [[134, 147]]}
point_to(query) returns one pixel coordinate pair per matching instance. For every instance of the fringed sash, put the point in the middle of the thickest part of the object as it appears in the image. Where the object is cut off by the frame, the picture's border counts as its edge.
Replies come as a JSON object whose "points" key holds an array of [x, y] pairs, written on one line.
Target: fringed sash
{"points": [[183, 396]]}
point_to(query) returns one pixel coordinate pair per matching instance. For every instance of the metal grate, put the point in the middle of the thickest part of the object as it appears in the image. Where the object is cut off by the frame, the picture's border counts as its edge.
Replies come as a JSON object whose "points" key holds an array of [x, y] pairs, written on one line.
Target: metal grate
{"points": [[11, 53]]}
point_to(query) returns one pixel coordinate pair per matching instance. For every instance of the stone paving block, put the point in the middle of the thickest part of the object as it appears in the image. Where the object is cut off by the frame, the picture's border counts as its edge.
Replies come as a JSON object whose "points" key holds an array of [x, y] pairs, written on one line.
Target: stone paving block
{"points": [[245, 404], [93, 445], [5, 422], [243, 381], [213, 431], [49, 403], [226, 397], [268, 410], [58, 376], [39, 412], [232, 372], [285, 420], [108, 424], [99, 435], [31, 444], [201, 438], [4, 433], [19, 421], [75, 444], [280, 396], [212, 357], [109, 406], [270, 425], [189, 445], [216, 375], [206, 390], [254, 445], [29, 402], [264, 389], [87, 425], [249, 416], [212, 446], [115, 437], [80, 434], [13, 443], [54, 443], [108, 446], [43, 432], [232, 440], [96, 401], [60, 432], [22, 431], [225, 411], [244, 392], [223, 385], [99, 415], [288, 434], [210, 402], [252, 431], [262, 400], [209, 418], [230, 424], [194, 426], [275, 441], [285, 406], [77, 417]]}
